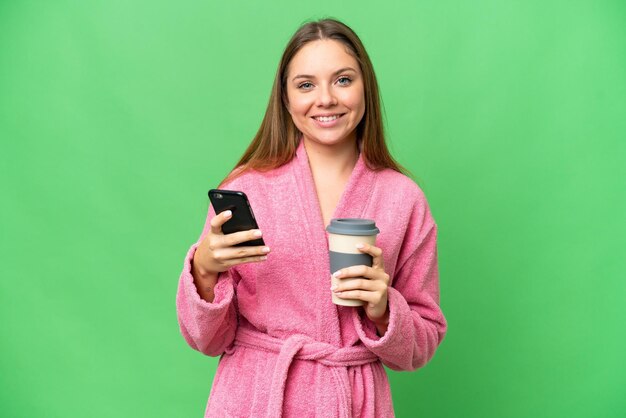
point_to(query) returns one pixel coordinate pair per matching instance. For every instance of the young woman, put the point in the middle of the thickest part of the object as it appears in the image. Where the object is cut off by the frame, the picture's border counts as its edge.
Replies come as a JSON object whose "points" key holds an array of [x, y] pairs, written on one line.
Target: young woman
{"points": [[320, 153]]}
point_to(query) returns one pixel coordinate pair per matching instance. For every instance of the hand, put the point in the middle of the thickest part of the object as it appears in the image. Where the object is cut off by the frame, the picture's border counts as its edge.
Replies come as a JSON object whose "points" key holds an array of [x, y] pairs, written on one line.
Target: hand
{"points": [[371, 289], [216, 253]]}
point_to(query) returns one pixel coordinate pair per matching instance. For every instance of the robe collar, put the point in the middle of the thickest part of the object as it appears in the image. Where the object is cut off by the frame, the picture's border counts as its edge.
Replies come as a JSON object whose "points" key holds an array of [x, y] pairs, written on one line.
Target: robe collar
{"points": [[353, 203], [354, 200]]}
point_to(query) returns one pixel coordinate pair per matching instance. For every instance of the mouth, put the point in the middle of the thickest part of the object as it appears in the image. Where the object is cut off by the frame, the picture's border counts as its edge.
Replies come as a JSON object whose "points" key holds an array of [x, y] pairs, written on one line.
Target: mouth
{"points": [[328, 118]]}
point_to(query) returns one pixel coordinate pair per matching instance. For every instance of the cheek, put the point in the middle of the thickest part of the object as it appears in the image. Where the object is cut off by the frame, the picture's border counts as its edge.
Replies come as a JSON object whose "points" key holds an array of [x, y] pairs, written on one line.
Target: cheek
{"points": [[297, 107], [355, 98], [356, 102], [298, 111]]}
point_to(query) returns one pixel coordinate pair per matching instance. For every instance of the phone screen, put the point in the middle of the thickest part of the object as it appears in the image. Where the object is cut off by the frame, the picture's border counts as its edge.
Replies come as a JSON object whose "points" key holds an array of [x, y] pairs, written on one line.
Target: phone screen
{"points": [[243, 217]]}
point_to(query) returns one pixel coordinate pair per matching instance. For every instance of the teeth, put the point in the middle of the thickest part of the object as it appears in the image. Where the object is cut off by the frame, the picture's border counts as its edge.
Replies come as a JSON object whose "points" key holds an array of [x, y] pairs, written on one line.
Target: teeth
{"points": [[326, 118]]}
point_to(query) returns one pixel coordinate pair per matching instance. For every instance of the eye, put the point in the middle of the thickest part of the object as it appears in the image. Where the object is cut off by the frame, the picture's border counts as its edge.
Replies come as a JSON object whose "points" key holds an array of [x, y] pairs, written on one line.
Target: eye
{"points": [[305, 86], [344, 81]]}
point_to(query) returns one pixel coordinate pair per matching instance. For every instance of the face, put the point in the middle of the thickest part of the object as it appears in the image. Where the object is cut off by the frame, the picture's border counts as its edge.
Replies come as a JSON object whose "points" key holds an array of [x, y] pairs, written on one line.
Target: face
{"points": [[325, 93]]}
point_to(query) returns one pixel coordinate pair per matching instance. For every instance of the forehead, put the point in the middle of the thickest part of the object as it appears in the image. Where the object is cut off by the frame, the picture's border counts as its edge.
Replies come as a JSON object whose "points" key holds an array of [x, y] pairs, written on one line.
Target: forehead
{"points": [[321, 57]]}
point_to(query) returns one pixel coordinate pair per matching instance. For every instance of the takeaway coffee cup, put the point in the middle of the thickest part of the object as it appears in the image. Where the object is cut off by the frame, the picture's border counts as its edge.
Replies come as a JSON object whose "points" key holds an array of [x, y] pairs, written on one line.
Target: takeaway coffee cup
{"points": [[343, 236]]}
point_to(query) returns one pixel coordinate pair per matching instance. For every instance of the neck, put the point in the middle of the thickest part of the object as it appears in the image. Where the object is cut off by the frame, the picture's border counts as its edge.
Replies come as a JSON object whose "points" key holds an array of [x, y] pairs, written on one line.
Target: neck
{"points": [[336, 159]]}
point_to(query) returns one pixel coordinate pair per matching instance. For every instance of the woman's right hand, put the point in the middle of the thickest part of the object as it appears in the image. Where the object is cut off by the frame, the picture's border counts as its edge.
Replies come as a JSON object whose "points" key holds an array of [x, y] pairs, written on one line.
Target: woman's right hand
{"points": [[216, 253]]}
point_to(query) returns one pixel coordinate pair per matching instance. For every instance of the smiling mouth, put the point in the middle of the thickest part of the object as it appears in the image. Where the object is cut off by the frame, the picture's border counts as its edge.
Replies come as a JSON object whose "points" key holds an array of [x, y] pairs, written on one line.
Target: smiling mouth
{"points": [[327, 118]]}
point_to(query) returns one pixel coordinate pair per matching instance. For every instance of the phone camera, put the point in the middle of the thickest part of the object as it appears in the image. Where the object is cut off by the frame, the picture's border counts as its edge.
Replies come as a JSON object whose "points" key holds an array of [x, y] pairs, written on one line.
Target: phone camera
{"points": [[218, 195]]}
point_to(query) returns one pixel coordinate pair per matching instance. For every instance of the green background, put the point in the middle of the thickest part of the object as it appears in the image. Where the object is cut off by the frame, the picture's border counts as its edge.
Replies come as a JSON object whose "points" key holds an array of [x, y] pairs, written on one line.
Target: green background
{"points": [[116, 117]]}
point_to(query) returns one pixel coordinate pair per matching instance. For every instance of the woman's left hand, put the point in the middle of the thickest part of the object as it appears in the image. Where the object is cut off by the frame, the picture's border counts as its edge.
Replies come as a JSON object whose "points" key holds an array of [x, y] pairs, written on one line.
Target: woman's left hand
{"points": [[372, 288]]}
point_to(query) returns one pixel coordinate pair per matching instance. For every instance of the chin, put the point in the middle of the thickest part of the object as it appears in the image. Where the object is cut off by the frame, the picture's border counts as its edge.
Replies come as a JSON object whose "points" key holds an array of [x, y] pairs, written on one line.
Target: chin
{"points": [[329, 139], [329, 142]]}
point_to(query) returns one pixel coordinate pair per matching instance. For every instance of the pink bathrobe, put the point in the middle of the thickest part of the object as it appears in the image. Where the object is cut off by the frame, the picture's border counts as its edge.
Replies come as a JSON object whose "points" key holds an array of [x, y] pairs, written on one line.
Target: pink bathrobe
{"points": [[286, 349]]}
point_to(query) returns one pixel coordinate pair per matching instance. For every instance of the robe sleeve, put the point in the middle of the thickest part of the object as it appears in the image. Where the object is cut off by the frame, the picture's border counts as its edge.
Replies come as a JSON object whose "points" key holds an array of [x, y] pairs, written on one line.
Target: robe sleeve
{"points": [[416, 323], [207, 327]]}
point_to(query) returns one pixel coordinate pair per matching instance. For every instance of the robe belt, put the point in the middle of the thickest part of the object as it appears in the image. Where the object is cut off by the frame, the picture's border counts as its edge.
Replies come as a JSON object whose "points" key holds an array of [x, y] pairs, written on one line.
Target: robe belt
{"points": [[302, 347]]}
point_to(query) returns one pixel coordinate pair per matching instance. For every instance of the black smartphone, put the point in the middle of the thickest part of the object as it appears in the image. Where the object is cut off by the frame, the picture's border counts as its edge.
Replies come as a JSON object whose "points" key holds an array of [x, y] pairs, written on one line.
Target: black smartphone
{"points": [[242, 219]]}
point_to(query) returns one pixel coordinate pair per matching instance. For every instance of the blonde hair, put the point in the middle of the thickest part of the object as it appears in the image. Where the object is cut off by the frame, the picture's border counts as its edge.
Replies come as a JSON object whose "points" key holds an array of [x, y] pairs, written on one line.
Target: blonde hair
{"points": [[277, 139]]}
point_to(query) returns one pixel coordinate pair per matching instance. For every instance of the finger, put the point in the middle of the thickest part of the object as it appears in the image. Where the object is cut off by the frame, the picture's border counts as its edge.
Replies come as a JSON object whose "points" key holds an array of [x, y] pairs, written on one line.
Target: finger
{"points": [[375, 252], [358, 284], [228, 240], [236, 261], [364, 295], [219, 220], [224, 255], [362, 271], [370, 249], [352, 271]]}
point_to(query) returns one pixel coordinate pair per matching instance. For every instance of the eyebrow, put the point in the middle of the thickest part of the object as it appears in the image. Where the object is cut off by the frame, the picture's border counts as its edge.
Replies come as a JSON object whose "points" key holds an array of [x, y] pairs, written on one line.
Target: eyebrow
{"points": [[341, 70]]}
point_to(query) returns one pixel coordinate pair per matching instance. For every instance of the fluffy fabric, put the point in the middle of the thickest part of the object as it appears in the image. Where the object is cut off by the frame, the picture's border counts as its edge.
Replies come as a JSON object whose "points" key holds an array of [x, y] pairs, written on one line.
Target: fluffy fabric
{"points": [[286, 349]]}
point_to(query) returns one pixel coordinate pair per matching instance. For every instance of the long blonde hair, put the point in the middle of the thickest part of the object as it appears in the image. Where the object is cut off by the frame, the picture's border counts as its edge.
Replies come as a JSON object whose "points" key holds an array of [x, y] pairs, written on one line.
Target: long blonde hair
{"points": [[277, 139]]}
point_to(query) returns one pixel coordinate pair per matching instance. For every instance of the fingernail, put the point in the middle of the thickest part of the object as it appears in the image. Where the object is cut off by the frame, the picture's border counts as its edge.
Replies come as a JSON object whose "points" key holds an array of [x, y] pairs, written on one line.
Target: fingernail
{"points": [[258, 233], [266, 249], [359, 246], [263, 257], [227, 213], [333, 287], [337, 273]]}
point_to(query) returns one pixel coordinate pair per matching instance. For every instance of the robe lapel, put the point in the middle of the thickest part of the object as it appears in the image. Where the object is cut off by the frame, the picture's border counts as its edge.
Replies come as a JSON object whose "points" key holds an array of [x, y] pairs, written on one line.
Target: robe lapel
{"points": [[358, 192], [352, 204], [354, 199]]}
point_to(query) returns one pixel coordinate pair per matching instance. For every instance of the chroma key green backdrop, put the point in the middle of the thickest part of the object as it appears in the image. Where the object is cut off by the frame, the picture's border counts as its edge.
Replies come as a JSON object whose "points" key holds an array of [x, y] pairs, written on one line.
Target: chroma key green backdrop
{"points": [[116, 117]]}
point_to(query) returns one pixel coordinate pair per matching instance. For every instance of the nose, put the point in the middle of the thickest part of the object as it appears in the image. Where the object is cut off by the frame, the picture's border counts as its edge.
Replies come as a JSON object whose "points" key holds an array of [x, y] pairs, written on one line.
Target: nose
{"points": [[326, 97]]}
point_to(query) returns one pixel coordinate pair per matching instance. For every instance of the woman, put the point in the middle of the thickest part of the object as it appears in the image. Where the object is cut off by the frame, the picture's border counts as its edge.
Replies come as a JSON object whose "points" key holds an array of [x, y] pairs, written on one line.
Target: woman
{"points": [[320, 153]]}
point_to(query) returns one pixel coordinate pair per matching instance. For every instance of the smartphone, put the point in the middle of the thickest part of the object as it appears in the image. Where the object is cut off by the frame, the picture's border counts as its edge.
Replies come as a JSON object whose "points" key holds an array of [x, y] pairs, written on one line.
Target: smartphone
{"points": [[242, 219]]}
